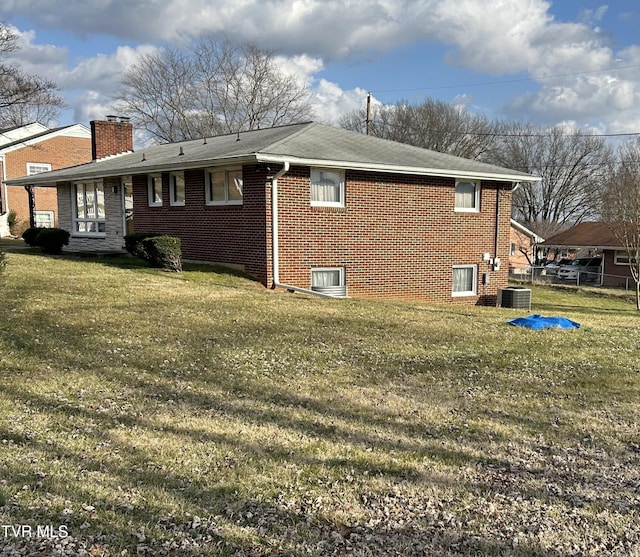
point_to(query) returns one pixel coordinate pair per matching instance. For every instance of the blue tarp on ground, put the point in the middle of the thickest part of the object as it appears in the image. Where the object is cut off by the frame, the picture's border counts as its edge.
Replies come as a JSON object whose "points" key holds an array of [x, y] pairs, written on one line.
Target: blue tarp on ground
{"points": [[541, 322]]}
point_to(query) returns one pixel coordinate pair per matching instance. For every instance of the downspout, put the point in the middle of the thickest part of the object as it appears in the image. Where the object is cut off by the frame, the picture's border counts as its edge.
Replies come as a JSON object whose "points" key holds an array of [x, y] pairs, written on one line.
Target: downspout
{"points": [[275, 257]]}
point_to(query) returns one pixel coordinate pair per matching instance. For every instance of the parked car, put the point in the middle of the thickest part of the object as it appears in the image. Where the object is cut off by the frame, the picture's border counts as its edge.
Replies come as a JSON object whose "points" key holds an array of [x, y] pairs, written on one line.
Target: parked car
{"points": [[551, 267], [583, 269]]}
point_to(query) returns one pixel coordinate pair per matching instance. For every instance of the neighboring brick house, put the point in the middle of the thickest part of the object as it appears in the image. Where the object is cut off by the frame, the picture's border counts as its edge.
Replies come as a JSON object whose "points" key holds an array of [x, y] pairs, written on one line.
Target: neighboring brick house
{"points": [[524, 246], [31, 149], [596, 238], [306, 207]]}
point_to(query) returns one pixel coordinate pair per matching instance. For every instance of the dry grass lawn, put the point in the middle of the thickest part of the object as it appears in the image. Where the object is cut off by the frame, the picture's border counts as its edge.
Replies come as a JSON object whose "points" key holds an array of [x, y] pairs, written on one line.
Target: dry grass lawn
{"points": [[147, 413]]}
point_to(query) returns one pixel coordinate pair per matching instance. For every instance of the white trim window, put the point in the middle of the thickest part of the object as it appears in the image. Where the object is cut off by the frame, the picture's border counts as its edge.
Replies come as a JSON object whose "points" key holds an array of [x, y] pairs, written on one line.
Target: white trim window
{"points": [[224, 186], [467, 196], [327, 188], [176, 189], [88, 209], [322, 277], [37, 168], [154, 187], [623, 257], [465, 280], [44, 219]]}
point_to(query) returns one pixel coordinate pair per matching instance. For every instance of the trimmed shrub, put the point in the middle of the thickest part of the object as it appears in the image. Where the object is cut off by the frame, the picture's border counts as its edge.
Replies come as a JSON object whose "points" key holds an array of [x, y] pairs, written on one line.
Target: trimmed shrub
{"points": [[51, 240], [30, 236], [164, 252], [133, 243]]}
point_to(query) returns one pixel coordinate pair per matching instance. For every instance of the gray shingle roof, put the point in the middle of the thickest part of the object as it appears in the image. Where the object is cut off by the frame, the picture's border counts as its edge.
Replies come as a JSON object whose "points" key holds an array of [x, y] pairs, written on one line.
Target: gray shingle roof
{"points": [[304, 144]]}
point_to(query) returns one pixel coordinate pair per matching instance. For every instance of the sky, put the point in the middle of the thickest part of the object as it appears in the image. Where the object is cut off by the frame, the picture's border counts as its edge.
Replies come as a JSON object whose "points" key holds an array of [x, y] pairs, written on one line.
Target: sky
{"points": [[564, 62]]}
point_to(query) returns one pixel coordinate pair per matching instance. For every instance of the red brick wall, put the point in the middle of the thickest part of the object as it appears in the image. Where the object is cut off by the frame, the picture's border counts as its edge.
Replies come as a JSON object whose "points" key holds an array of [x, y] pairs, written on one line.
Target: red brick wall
{"points": [[233, 235], [398, 236], [59, 152], [518, 261], [616, 275]]}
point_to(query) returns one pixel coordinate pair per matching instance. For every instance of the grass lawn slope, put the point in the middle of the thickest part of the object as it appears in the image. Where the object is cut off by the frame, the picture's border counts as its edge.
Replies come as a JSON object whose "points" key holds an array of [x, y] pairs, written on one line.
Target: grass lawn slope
{"points": [[150, 413]]}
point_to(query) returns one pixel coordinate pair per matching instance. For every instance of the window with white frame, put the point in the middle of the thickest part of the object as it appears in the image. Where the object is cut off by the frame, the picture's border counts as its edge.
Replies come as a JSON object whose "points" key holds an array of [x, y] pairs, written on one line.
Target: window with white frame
{"points": [[37, 168], [622, 257], [327, 276], [44, 219], [176, 188], [154, 184], [223, 186], [327, 188], [465, 279], [89, 210], [467, 196]]}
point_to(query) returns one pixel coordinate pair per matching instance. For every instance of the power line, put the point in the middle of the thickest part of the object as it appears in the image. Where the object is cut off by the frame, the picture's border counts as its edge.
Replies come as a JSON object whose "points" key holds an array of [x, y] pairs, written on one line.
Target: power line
{"points": [[505, 81], [494, 134]]}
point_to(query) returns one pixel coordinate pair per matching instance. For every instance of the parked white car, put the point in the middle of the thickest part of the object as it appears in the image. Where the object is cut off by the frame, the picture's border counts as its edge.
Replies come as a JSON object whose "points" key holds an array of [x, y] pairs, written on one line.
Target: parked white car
{"points": [[584, 269]]}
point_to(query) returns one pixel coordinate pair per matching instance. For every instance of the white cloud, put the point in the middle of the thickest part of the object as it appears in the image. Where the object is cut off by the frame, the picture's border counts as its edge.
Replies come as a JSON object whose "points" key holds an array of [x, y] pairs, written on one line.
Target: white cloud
{"points": [[495, 37], [330, 101], [32, 54]]}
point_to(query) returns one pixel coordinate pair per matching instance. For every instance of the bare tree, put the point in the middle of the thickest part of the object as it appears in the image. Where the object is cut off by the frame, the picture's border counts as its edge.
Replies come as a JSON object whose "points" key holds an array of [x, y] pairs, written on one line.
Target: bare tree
{"points": [[24, 98], [571, 167], [158, 94], [433, 124], [209, 88], [621, 207]]}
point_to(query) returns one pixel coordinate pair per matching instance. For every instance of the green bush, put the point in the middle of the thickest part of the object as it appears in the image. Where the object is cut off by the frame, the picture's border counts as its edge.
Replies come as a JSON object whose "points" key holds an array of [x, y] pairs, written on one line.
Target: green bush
{"points": [[164, 252], [133, 243], [51, 240], [30, 236]]}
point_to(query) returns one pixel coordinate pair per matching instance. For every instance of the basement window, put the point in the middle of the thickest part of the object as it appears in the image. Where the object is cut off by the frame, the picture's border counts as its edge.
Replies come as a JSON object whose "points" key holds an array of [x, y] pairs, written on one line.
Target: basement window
{"points": [[467, 196], [329, 276], [465, 279]]}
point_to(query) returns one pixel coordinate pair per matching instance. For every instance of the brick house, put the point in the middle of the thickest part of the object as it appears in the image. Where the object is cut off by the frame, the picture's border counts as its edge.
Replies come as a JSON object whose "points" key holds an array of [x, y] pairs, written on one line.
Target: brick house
{"points": [[597, 239], [305, 207], [31, 149], [524, 247]]}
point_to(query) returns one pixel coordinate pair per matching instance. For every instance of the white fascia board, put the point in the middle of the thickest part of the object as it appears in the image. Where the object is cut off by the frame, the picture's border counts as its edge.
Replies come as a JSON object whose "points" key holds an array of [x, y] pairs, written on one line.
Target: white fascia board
{"points": [[16, 134], [93, 171], [526, 231], [389, 169], [77, 130]]}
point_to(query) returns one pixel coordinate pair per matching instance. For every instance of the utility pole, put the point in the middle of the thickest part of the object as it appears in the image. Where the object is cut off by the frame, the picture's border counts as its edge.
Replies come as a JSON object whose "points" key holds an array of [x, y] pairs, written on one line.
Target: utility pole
{"points": [[368, 120]]}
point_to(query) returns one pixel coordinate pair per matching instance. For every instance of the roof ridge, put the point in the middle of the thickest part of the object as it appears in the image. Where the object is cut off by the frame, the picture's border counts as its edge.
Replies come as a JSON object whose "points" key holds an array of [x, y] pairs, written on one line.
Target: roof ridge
{"points": [[302, 127]]}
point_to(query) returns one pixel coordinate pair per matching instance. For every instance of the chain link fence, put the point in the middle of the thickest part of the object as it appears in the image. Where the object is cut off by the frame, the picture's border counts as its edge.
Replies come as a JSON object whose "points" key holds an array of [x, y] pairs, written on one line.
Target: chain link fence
{"points": [[546, 275]]}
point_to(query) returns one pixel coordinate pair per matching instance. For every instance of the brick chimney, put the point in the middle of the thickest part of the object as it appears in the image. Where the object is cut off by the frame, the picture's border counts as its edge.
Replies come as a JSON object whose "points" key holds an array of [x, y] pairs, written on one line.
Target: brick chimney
{"points": [[111, 137]]}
